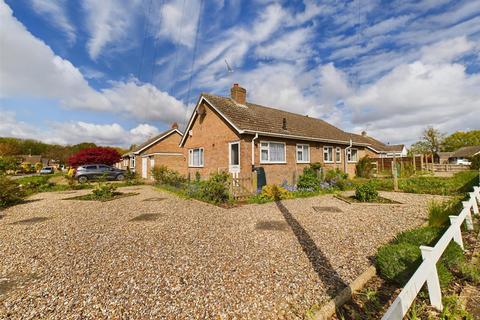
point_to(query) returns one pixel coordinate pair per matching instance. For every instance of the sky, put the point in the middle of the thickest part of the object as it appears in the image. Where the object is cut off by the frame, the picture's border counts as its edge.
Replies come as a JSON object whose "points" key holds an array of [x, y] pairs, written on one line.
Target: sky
{"points": [[116, 72]]}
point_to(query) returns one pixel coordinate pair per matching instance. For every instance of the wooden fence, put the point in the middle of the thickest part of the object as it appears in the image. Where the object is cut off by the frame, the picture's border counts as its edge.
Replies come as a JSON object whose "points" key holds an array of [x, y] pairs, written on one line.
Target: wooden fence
{"points": [[427, 272], [385, 164], [436, 167], [241, 187]]}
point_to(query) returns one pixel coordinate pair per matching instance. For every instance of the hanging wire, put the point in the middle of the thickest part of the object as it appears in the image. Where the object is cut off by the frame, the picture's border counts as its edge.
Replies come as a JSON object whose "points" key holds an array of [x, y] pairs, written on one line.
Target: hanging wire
{"points": [[180, 34], [194, 51], [146, 23], [155, 49]]}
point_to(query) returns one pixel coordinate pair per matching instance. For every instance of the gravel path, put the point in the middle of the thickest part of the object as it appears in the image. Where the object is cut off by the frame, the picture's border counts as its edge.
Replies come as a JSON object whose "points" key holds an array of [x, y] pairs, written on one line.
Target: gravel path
{"points": [[66, 259]]}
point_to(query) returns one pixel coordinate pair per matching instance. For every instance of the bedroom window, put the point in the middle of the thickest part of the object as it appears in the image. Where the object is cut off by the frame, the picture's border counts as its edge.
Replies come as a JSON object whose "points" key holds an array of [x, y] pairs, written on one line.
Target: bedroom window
{"points": [[272, 152], [352, 155], [195, 157], [328, 154], [303, 153]]}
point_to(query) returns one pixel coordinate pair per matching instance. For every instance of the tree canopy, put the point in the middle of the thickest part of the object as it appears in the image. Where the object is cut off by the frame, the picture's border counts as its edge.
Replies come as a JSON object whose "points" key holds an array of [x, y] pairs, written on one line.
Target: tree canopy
{"points": [[102, 155], [461, 139]]}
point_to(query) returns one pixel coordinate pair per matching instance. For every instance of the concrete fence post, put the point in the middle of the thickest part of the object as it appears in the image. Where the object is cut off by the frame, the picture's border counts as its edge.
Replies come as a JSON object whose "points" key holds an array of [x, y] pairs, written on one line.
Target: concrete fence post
{"points": [[468, 218], [433, 283], [457, 236]]}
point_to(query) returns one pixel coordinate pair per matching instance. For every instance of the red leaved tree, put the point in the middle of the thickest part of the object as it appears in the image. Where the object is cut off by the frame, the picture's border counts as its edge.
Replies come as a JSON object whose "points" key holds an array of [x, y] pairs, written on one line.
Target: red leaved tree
{"points": [[100, 155]]}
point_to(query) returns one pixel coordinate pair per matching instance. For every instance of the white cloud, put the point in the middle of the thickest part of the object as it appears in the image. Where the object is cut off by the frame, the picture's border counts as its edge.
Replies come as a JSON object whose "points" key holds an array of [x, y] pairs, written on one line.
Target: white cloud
{"points": [[10, 127], [54, 11], [109, 22], [29, 68], [178, 21], [446, 50], [290, 46]]}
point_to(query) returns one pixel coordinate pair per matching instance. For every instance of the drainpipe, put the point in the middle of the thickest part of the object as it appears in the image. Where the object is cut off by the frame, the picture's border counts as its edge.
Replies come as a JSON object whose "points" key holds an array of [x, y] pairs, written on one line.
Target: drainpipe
{"points": [[253, 149], [345, 158]]}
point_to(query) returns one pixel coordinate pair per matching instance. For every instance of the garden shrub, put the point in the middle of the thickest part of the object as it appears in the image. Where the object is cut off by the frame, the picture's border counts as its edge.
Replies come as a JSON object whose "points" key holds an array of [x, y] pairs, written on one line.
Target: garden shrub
{"points": [[438, 213], [453, 308], [397, 262], [364, 167], [8, 163], [274, 192], [475, 162], [309, 180], [471, 272], [38, 166], [421, 236], [453, 256], [366, 192], [444, 275], [104, 191], [132, 179], [10, 192], [163, 175], [216, 188]]}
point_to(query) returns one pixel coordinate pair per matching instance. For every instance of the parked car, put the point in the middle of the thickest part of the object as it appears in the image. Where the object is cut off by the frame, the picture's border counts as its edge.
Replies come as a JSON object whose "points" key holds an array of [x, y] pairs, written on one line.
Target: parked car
{"points": [[463, 162], [97, 171], [47, 170]]}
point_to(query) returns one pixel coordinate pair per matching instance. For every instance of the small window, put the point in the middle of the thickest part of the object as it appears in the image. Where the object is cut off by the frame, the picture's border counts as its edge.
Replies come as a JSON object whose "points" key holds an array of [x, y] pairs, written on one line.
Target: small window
{"points": [[352, 155], [303, 153], [328, 154], [272, 152], [132, 162], [338, 154], [195, 157]]}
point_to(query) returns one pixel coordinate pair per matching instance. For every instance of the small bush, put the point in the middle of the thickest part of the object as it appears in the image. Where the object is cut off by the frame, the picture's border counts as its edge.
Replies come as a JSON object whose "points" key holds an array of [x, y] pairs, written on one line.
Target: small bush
{"points": [[366, 192], [132, 179], [471, 272], [453, 256], [453, 309], [215, 189], [444, 275], [421, 236], [10, 192], [364, 167], [104, 191], [397, 262], [274, 192], [163, 175], [475, 162], [309, 180]]}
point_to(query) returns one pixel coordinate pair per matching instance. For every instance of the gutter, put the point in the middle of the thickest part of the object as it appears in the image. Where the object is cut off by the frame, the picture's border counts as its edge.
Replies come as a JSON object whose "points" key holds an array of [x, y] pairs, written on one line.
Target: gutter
{"points": [[345, 159], [253, 149]]}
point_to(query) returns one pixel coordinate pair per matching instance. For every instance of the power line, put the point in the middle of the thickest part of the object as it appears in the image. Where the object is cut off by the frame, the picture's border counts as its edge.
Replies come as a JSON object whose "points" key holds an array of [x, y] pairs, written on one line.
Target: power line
{"points": [[155, 47], [146, 20], [194, 50], [180, 34]]}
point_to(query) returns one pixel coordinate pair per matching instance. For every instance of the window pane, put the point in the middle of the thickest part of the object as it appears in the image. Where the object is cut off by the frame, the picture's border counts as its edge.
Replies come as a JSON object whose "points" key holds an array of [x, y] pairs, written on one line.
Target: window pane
{"points": [[299, 155], [234, 154], [306, 153], [264, 155], [277, 152]]}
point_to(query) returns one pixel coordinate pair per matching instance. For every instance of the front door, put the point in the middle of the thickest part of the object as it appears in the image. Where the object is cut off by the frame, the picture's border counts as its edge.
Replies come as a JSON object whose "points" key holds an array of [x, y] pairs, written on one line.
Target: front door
{"points": [[234, 157], [144, 168]]}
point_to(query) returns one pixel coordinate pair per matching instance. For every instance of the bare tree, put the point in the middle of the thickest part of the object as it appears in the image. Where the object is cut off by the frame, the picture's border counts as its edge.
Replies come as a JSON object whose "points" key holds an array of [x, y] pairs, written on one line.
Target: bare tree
{"points": [[432, 139]]}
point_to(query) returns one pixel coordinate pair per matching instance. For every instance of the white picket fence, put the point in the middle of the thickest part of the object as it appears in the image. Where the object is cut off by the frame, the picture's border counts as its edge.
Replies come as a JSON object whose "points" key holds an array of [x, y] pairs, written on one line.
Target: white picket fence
{"points": [[427, 272]]}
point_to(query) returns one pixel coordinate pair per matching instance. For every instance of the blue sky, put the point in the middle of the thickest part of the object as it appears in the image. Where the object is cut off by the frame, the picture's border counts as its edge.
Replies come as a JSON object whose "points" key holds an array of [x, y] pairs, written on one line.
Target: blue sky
{"points": [[116, 72]]}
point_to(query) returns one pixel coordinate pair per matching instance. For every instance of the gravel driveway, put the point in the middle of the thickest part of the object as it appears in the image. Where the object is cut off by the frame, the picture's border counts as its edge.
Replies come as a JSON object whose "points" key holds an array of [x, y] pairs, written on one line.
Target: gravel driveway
{"points": [[154, 255]]}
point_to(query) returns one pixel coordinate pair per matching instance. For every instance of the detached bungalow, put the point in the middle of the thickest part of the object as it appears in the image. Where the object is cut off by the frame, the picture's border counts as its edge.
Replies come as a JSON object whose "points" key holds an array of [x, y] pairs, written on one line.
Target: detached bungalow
{"points": [[378, 149], [160, 150], [232, 134], [460, 156]]}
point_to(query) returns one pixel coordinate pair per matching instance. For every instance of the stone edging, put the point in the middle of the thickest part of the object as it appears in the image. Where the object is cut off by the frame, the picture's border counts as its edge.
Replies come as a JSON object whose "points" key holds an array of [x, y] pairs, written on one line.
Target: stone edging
{"points": [[329, 308]]}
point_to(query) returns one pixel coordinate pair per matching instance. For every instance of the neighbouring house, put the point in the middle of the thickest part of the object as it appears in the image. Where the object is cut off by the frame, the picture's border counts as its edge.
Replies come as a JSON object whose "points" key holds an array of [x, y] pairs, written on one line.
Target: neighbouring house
{"points": [[162, 149], [234, 135], [458, 156], [378, 149]]}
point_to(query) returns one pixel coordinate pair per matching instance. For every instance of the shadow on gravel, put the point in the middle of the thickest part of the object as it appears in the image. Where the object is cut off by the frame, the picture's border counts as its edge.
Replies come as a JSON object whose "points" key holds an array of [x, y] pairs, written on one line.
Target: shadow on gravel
{"points": [[31, 220], [320, 263], [146, 217]]}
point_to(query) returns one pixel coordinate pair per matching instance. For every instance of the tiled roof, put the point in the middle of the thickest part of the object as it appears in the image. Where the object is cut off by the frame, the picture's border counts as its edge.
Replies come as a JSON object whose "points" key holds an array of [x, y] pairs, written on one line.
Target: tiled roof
{"points": [[466, 152], [380, 146], [257, 118]]}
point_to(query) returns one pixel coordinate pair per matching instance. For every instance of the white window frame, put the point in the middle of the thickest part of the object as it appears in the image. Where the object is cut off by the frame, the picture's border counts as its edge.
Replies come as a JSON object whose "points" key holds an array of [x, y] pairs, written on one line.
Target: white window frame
{"points": [[190, 158], [132, 162], [349, 155], [325, 151], [338, 152], [302, 149], [268, 152]]}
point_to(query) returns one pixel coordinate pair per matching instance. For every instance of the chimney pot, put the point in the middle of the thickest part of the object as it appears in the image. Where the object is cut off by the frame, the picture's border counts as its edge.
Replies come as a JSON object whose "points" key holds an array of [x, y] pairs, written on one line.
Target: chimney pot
{"points": [[364, 133], [238, 94], [174, 125]]}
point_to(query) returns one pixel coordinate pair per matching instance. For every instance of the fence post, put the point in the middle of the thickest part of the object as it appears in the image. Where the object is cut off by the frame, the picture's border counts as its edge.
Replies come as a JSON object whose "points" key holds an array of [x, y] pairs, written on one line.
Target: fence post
{"points": [[474, 202], [433, 283], [468, 218], [457, 236]]}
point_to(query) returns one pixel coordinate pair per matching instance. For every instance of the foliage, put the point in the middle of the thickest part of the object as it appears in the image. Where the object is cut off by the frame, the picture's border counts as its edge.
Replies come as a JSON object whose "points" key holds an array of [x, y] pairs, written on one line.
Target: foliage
{"points": [[163, 175], [132, 179], [461, 139], [419, 147], [366, 192], [438, 213], [104, 191], [453, 256], [453, 309], [471, 272], [335, 178], [10, 192], [216, 188], [397, 262], [316, 166], [444, 275], [38, 166], [475, 160], [420, 236], [27, 167], [8, 163], [103, 155], [433, 139], [274, 192], [364, 167], [308, 180]]}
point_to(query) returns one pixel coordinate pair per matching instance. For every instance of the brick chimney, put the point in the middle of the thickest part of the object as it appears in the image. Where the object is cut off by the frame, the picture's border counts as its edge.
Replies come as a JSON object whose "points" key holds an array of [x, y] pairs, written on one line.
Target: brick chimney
{"points": [[238, 94], [364, 133], [174, 125]]}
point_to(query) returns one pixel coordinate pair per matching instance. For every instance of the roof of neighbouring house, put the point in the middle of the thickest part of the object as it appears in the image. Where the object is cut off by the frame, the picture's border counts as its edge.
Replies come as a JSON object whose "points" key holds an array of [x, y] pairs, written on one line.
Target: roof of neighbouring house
{"points": [[153, 140], [252, 118], [466, 152]]}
